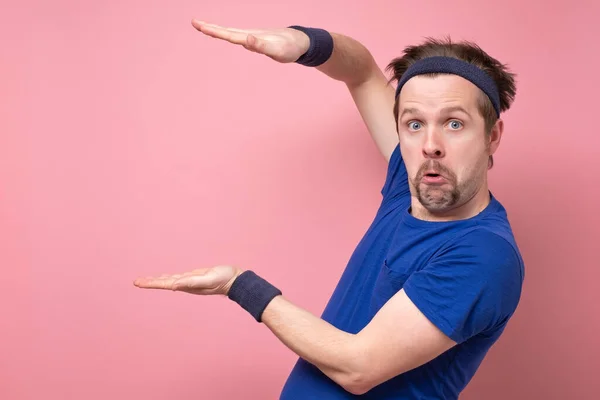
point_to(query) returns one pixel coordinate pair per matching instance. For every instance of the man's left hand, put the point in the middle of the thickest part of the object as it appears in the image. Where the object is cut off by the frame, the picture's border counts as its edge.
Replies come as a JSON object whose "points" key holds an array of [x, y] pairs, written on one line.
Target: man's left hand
{"points": [[204, 281]]}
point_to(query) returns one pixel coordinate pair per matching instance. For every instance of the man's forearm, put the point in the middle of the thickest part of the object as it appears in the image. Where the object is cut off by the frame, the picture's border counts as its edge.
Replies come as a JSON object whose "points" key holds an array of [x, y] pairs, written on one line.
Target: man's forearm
{"points": [[336, 353], [350, 61]]}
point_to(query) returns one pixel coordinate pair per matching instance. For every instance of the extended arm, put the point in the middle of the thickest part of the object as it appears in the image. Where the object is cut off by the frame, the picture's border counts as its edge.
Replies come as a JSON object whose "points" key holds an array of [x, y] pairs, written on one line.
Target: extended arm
{"points": [[473, 287], [362, 361], [350, 63], [398, 338]]}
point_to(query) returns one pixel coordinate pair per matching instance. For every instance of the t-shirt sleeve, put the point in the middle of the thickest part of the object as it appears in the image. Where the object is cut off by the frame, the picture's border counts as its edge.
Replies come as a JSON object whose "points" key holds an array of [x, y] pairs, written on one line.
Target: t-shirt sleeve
{"points": [[472, 286], [396, 182]]}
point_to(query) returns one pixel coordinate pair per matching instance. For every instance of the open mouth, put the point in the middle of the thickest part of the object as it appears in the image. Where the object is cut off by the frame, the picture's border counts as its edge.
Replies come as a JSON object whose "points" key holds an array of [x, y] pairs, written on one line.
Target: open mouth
{"points": [[434, 179]]}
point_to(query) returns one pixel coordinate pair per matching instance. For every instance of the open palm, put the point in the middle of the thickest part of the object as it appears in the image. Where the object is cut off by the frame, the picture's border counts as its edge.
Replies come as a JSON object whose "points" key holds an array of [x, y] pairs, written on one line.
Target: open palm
{"points": [[204, 281], [283, 45]]}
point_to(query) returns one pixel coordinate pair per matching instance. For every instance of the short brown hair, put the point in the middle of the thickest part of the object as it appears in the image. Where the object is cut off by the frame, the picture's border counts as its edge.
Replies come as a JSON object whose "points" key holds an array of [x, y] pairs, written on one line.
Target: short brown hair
{"points": [[468, 52]]}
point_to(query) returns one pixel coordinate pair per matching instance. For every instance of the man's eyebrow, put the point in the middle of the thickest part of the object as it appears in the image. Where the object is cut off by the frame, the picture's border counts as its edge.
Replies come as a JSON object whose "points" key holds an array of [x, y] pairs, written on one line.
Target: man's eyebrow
{"points": [[445, 110], [409, 111]]}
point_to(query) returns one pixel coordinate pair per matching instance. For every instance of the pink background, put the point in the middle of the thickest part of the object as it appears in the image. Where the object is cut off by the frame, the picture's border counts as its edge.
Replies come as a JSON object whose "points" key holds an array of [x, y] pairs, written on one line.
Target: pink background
{"points": [[132, 145]]}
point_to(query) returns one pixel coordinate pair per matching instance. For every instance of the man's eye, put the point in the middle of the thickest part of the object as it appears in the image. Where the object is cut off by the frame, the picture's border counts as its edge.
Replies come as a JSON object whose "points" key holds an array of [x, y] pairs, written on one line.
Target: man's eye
{"points": [[414, 125], [455, 125]]}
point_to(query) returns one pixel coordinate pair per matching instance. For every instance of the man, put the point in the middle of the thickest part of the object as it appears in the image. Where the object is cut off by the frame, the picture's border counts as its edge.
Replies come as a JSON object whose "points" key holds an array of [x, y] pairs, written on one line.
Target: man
{"points": [[434, 281]]}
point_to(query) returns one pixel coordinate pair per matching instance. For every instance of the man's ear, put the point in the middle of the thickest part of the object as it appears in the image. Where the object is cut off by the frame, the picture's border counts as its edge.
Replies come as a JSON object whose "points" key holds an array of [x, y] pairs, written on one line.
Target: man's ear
{"points": [[495, 136]]}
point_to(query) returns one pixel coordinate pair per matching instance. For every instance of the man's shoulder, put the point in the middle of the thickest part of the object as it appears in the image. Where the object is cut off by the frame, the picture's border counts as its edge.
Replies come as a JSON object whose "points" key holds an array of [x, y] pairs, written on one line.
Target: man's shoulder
{"points": [[492, 231], [492, 252], [482, 239], [474, 281]]}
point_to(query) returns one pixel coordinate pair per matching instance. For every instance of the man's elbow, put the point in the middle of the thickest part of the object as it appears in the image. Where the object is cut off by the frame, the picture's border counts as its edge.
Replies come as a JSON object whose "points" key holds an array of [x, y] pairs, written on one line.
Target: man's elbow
{"points": [[358, 379], [356, 384], [365, 374]]}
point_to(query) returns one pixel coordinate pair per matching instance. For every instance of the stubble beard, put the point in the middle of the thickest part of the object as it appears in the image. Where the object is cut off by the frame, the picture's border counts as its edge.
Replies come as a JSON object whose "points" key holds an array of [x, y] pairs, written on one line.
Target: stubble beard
{"points": [[441, 198]]}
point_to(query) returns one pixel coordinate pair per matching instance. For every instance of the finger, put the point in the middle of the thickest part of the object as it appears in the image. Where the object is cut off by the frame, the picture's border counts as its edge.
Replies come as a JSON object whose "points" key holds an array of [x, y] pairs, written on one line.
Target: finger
{"points": [[255, 44], [200, 24], [232, 35], [155, 283], [167, 276], [224, 34], [236, 30], [194, 282], [200, 271], [216, 30], [200, 292]]}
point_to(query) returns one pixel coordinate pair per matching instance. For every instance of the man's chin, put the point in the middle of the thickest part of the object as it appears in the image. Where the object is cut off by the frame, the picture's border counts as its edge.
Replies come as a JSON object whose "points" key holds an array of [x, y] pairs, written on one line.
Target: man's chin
{"points": [[436, 200], [435, 207], [435, 193]]}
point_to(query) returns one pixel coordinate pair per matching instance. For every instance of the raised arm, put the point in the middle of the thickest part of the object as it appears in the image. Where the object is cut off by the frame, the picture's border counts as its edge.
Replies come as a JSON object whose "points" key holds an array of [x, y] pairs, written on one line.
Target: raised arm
{"points": [[354, 65], [350, 63]]}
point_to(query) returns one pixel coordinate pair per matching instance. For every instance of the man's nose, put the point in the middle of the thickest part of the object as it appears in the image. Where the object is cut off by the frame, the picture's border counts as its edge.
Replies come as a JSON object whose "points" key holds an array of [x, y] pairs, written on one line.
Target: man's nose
{"points": [[433, 144]]}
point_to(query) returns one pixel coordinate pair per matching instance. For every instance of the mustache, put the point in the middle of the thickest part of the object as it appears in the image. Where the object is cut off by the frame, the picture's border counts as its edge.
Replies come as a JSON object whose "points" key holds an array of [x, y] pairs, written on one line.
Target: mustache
{"points": [[437, 167]]}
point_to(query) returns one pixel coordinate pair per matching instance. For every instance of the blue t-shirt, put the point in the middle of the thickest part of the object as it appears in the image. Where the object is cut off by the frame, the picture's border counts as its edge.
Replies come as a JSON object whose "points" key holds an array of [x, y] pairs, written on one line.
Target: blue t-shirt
{"points": [[465, 276]]}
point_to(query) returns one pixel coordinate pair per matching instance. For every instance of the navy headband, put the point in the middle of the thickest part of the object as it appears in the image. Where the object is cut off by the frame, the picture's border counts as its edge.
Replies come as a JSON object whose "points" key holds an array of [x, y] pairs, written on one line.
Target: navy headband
{"points": [[458, 67]]}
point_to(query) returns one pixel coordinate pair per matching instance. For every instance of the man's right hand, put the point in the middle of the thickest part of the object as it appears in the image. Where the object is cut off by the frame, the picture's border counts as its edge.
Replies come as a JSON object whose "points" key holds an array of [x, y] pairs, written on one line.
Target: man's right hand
{"points": [[283, 45]]}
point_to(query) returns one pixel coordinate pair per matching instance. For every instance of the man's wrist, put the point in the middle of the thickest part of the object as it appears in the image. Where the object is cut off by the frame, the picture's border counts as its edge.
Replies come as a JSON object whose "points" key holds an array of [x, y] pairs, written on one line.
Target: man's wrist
{"points": [[320, 46], [229, 284], [252, 293]]}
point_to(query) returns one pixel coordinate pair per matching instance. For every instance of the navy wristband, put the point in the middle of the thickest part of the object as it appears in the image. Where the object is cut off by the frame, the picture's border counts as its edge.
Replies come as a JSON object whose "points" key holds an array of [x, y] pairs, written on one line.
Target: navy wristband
{"points": [[252, 293], [320, 49]]}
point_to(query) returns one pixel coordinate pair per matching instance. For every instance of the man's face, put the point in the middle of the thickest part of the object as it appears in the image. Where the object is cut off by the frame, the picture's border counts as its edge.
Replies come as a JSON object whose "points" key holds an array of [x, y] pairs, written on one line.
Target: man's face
{"points": [[443, 141]]}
